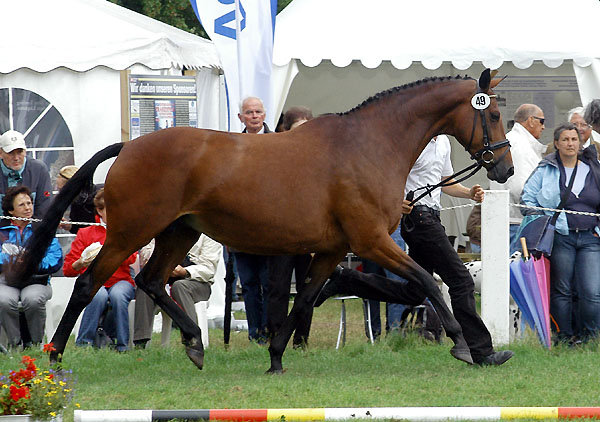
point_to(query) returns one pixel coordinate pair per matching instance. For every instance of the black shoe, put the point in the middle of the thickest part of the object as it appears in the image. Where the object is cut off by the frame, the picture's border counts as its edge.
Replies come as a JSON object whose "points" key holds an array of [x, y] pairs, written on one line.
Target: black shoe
{"points": [[495, 359], [140, 344], [330, 288]]}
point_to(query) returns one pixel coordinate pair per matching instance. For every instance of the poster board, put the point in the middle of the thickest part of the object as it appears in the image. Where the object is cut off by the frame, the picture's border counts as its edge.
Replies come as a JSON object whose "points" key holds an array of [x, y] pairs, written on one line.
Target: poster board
{"points": [[555, 95], [158, 102]]}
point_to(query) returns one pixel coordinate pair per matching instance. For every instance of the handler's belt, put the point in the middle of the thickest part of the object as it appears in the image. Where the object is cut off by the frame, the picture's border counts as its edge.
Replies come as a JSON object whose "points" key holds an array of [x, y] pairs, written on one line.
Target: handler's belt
{"points": [[425, 208]]}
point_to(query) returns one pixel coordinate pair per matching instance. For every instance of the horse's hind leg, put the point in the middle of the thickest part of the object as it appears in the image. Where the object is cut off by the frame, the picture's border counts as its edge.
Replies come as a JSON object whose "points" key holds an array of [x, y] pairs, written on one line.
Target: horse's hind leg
{"points": [[171, 246], [320, 268], [389, 255]]}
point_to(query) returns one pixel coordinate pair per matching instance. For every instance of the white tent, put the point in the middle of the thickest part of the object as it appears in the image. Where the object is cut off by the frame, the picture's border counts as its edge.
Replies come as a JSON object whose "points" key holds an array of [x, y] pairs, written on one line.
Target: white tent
{"points": [[71, 52], [348, 50]]}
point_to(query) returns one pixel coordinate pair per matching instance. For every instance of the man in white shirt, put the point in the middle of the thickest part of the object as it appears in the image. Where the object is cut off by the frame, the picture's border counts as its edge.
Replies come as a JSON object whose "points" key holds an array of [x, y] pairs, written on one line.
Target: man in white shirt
{"points": [[429, 246], [527, 151]]}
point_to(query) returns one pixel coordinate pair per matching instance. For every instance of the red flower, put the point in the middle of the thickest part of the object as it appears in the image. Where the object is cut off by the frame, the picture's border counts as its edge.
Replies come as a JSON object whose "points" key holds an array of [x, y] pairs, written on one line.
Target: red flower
{"points": [[29, 363], [17, 393], [49, 348]]}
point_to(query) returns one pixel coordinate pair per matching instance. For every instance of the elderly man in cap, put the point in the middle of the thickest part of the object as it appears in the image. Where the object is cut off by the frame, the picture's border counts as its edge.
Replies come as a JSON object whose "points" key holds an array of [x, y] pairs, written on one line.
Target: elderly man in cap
{"points": [[18, 169]]}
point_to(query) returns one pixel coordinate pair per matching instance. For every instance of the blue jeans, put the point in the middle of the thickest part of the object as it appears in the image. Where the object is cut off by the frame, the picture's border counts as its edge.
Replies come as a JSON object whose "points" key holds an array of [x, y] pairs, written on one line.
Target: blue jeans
{"points": [[515, 244], [575, 266], [395, 310], [254, 278], [119, 295]]}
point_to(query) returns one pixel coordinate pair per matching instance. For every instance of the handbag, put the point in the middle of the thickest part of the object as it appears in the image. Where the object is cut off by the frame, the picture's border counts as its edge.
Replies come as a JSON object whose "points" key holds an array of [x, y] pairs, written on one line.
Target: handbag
{"points": [[539, 233]]}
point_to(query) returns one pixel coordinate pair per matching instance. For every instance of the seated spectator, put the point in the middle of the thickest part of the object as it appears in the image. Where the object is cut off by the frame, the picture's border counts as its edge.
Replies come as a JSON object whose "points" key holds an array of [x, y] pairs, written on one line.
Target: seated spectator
{"points": [[34, 293], [118, 289], [82, 209], [190, 283], [575, 259]]}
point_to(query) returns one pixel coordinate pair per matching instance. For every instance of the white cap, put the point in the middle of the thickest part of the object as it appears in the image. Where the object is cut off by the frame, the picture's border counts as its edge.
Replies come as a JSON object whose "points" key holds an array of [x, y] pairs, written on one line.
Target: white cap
{"points": [[12, 140]]}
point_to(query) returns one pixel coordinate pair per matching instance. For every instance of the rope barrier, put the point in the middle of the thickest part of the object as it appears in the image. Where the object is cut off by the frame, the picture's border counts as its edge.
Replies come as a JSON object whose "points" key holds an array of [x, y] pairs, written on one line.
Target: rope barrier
{"points": [[525, 206], [37, 220]]}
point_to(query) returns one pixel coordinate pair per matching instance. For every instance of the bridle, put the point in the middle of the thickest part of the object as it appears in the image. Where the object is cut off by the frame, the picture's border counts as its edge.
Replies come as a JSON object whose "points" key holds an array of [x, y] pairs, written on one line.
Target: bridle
{"points": [[483, 156]]}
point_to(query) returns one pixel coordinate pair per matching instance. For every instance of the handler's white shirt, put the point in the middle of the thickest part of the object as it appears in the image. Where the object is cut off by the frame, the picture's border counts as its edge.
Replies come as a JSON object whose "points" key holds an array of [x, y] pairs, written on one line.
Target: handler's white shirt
{"points": [[526, 152], [432, 165]]}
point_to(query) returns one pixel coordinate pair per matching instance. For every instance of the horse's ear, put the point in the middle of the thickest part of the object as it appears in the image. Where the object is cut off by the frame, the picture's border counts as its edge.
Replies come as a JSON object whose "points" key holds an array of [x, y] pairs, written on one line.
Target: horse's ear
{"points": [[484, 80], [496, 81]]}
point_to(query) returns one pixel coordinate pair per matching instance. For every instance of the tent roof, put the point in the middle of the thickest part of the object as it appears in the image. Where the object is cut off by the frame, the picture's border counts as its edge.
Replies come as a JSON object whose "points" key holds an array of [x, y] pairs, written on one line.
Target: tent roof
{"points": [[81, 34], [437, 31]]}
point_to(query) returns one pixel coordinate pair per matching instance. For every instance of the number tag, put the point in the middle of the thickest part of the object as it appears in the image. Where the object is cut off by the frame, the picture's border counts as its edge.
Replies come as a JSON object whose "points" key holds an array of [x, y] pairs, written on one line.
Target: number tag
{"points": [[480, 101]]}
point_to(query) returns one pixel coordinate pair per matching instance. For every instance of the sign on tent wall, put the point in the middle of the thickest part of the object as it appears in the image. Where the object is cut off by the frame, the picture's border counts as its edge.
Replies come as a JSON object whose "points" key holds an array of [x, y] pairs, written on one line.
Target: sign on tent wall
{"points": [[155, 102]]}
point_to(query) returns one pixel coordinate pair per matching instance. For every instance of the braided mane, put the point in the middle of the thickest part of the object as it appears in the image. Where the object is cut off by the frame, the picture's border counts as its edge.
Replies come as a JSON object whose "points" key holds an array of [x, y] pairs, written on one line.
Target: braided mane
{"points": [[396, 89]]}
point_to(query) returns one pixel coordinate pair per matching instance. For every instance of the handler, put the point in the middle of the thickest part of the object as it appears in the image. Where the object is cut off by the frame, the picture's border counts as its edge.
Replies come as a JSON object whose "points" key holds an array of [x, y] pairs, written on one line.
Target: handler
{"points": [[429, 246]]}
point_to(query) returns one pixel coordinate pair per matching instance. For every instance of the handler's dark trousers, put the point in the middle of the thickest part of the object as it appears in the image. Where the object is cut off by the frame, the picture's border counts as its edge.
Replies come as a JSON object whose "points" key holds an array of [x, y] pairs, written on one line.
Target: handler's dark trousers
{"points": [[280, 280], [429, 247]]}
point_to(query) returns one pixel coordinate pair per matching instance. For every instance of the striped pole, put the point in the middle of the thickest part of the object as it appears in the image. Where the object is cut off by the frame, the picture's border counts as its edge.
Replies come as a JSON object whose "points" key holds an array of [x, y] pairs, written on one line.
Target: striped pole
{"points": [[426, 414]]}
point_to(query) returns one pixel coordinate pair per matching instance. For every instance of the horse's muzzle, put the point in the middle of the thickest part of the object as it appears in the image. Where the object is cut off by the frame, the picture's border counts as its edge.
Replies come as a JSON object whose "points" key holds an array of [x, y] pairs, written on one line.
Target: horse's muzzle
{"points": [[499, 174]]}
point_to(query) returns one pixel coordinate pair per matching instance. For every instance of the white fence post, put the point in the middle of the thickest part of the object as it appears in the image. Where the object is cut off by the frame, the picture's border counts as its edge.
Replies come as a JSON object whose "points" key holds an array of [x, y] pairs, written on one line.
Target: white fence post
{"points": [[495, 287]]}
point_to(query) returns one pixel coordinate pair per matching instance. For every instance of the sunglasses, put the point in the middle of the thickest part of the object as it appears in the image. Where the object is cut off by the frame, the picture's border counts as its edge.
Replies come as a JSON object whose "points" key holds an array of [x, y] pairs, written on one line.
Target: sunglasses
{"points": [[541, 119]]}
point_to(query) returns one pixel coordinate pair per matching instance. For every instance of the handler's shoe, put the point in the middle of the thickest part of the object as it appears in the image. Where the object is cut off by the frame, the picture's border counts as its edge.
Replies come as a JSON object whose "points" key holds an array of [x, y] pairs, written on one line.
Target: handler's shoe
{"points": [[330, 288], [496, 358]]}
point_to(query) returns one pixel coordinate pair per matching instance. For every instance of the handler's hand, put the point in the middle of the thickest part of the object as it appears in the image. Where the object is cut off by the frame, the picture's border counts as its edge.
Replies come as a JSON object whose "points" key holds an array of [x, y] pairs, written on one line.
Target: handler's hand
{"points": [[406, 207], [476, 193]]}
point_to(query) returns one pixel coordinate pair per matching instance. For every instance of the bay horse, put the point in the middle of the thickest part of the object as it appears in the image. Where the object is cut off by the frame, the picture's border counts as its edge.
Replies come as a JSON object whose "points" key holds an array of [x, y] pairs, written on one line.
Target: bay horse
{"points": [[333, 185]]}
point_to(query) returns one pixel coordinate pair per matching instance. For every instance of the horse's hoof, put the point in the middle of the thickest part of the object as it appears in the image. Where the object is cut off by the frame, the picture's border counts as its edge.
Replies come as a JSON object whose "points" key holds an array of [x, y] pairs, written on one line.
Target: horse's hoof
{"points": [[462, 353], [196, 356], [275, 371], [55, 358]]}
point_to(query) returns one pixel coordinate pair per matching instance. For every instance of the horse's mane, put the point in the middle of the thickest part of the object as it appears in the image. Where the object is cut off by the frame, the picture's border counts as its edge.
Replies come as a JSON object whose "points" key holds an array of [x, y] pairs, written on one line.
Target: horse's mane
{"points": [[404, 87]]}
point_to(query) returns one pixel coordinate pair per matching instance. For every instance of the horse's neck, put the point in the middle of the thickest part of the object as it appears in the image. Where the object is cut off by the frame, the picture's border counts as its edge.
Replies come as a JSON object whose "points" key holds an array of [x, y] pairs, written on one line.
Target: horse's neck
{"points": [[409, 120]]}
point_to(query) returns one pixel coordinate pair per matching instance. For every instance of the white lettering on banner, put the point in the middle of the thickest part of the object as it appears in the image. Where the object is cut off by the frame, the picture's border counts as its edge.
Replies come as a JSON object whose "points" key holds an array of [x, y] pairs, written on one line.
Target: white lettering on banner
{"points": [[242, 31], [228, 17]]}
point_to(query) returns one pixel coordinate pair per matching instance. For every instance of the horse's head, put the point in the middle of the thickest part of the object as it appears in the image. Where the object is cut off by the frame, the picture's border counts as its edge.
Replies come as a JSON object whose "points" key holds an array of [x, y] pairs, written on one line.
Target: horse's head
{"points": [[484, 137]]}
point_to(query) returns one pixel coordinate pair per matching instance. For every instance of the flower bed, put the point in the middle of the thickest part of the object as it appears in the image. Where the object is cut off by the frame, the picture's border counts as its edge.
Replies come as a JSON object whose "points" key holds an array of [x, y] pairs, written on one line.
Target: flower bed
{"points": [[29, 390]]}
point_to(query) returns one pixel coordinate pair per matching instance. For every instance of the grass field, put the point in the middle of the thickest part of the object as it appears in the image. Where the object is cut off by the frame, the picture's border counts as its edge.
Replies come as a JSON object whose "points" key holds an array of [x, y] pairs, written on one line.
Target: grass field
{"points": [[397, 371]]}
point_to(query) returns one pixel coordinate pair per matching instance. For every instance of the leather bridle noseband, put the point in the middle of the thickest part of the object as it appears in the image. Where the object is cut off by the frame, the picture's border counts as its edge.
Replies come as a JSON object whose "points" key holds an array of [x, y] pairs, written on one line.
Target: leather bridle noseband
{"points": [[483, 156]]}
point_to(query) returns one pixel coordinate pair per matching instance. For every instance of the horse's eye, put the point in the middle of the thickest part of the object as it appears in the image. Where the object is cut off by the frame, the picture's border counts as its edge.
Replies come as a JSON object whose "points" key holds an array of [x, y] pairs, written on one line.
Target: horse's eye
{"points": [[495, 117]]}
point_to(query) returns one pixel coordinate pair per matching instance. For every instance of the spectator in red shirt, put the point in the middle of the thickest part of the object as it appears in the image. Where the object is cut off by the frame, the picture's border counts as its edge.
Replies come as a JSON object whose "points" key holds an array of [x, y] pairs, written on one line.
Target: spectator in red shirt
{"points": [[119, 290]]}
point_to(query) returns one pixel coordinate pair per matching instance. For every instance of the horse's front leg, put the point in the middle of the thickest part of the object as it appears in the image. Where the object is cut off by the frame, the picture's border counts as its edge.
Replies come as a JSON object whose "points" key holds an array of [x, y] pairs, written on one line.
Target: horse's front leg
{"points": [[83, 292], [319, 270]]}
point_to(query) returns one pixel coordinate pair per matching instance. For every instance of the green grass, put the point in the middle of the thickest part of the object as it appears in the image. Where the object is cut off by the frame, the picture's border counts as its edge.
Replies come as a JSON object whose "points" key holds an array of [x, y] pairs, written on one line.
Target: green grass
{"points": [[398, 371]]}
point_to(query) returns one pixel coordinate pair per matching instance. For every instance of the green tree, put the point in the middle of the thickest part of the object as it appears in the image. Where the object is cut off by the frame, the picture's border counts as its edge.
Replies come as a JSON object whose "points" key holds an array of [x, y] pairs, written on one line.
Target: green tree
{"points": [[177, 13]]}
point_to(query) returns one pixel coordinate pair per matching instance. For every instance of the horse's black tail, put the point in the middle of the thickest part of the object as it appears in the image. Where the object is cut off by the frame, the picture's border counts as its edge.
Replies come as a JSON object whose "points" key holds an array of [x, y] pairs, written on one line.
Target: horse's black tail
{"points": [[43, 234]]}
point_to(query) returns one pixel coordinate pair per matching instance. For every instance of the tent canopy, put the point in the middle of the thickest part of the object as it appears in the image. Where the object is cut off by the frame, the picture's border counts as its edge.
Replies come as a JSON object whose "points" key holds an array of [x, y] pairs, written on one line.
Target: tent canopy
{"points": [[436, 31], [108, 35]]}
